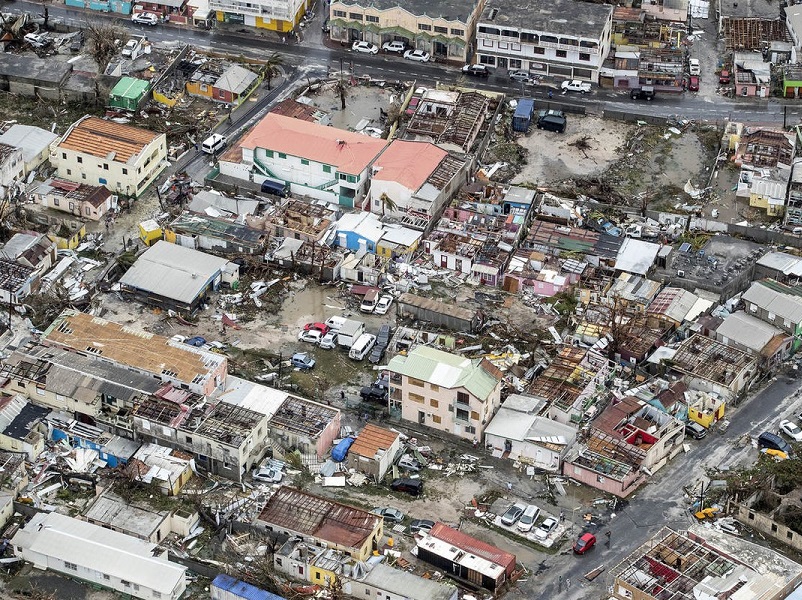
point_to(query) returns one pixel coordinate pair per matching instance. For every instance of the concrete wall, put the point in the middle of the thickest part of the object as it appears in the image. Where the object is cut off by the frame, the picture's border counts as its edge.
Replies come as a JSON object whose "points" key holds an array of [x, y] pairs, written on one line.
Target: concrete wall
{"points": [[765, 524]]}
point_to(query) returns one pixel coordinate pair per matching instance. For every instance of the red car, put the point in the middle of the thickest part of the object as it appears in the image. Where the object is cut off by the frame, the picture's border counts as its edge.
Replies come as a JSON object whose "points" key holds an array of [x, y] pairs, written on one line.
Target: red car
{"points": [[585, 542], [321, 327], [693, 83]]}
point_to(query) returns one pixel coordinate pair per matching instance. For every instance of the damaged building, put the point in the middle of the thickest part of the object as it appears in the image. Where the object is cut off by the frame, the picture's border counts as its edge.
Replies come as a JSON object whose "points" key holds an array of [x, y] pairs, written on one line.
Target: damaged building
{"points": [[451, 119]]}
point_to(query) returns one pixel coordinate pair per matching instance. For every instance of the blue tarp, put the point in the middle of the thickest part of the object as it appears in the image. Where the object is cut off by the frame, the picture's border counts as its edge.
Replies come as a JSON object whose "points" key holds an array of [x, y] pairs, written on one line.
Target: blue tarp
{"points": [[341, 450]]}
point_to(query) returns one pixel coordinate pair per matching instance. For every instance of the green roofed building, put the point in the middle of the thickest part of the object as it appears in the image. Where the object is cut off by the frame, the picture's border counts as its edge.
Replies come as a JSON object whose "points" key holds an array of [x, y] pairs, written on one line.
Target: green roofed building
{"points": [[128, 93], [445, 391]]}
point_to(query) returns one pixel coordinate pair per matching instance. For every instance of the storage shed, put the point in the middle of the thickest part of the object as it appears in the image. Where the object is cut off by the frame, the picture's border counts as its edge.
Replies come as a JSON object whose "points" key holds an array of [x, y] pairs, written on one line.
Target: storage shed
{"points": [[129, 93], [524, 112]]}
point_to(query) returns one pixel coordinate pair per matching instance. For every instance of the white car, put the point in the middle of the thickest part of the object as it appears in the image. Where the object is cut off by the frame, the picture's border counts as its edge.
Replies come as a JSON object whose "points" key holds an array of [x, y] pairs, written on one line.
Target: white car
{"points": [[268, 475], [694, 68], [130, 48], [548, 525], [527, 520], [575, 85], [417, 55], [395, 46], [37, 40], [329, 341], [365, 47], [520, 76], [145, 18], [791, 430], [383, 306], [313, 336]]}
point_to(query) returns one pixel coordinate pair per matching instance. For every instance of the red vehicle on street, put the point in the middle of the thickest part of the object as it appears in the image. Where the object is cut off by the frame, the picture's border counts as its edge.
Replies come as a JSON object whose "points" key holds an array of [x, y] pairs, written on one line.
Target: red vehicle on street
{"points": [[585, 542], [693, 83]]}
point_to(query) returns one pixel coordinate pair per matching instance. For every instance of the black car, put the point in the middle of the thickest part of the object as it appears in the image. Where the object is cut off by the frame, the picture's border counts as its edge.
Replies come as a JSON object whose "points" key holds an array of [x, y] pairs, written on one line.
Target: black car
{"points": [[373, 394], [476, 70], [77, 42], [413, 487], [377, 354], [383, 337], [642, 93], [552, 123]]}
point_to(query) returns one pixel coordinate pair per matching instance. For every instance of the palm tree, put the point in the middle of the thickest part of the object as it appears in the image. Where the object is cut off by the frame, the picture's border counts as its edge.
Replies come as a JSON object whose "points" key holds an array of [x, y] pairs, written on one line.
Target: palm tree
{"points": [[387, 203], [270, 68]]}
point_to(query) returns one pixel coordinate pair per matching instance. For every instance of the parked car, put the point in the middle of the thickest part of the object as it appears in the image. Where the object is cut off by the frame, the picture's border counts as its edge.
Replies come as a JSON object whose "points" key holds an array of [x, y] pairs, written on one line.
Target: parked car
{"points": [[694, 68], [642, 93], [420, 526], [417, 55], [383, 305], [196, 341], [373, 394], [377, 354], [409, 463], [575, 85], [145, 18], [476, 70], [77, 41], [302, 361], [268, 475], [313, 336], [791, 430], [693, 83], [321, 327], [527, 520], [724, 77], [130, 47], [37, 40], [413, 487], [520, 76], [585, 542], [549, 122], [395, 46], [512, 515], [695, 430], [329, 341], [544, 530], [383, 337], [365, 47], [389, 514]]}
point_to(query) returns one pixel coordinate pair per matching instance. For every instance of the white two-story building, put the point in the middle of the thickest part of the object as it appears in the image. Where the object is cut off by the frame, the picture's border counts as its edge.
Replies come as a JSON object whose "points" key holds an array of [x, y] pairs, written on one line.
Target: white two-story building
{"points": [[317, 161], [564, 38]]}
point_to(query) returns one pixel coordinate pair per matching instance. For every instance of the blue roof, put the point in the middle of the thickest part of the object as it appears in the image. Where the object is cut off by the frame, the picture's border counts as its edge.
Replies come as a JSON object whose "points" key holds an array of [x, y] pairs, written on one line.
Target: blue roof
{"points": [[525, 108], [242, 589]]}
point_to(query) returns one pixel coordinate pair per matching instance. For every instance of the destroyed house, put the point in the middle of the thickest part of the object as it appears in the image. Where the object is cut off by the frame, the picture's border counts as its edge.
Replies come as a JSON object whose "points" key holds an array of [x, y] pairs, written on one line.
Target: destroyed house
{"points": [[712, 366], [213, 234], [451, 119], [17, 282], [749, 25], [301, 110], [165, 468], [112, 449], [482, 258], [22, 426], [322, 521], [230, 85], [307, 258], [307, 426], [439, 313], [703, 563], [31, 249], [554, 239], [300, 220], [765, 148], [466, 557], [200, 371], [75, 383], [374, 451]]}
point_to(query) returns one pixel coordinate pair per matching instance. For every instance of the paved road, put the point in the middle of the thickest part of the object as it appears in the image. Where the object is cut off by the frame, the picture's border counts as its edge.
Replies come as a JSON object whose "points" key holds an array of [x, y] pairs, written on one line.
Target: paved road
{"points": [[316, 59]]}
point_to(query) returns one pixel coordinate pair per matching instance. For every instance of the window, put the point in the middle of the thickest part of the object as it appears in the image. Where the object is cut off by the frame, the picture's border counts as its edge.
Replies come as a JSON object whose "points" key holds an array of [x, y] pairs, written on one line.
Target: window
{"points": [[342, 176], [339, 13], [189, 440], [463, 398], [125, 583], [355, 16], [529, 37], [489, 30], [326, 169], [503, 46], [789, 534], [509, 33], [106, 576], [367, 592], [64, 155], [515, 63], [436, 419], [538, 50], [125, 171], [774, 527], [282, 155], [55, 201], [80, 159], [462, 414], [434, 387], [460, 32], [474, 415], [562, 53], [269, 153], [771, 316], [487, 43], [470, 429], [72, 205], [487, 60], [424, 27], [70, 566], [304, 161], [69, 171], [584, 56], [416, 397], [753, 308], [88, 210], [439, 29], [351, 179], [434, 403], [83, 175], [371, 19], [415, 382], [105, 166], [278, 562]]}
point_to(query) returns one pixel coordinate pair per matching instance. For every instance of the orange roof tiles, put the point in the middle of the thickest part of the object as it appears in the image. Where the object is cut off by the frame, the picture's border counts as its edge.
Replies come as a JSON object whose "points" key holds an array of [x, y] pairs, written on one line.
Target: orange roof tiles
{"points": [[372, 439], [408, 163], [348, 152], [101, 138]]}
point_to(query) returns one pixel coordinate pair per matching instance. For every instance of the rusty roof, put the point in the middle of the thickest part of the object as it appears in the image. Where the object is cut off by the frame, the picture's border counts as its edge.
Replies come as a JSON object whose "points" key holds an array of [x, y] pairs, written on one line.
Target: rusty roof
{"points": [[371, 440], [318, 517], [465, 542], [106, 139]]}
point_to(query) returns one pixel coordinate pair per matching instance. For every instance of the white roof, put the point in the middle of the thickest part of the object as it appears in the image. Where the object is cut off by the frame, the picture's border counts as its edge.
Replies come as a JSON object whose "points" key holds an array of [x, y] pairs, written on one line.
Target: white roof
{"points": [[466, 559], [518, 426], [748, 331], [396, 234], [161, 463], [364, 224], [636, 256], [785, 306], [32, 140], [253, 396], [786, 263], [93, 547], [173, 271]]}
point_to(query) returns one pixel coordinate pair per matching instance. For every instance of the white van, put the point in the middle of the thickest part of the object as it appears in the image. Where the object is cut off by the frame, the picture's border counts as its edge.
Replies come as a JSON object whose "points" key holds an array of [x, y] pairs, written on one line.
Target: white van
{"points": [[362, 346], [336, 322], [213, 144], [369, 302]]}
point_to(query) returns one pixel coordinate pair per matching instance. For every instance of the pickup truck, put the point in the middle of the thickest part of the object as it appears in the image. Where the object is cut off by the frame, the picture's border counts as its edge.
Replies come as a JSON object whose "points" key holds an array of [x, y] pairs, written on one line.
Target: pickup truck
{"points": [[575, 85]]}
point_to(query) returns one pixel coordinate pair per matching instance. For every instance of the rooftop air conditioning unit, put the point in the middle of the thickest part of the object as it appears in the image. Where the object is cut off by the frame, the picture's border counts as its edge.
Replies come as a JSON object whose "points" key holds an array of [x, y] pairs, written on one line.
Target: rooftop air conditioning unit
{"points": [[680, 273]]}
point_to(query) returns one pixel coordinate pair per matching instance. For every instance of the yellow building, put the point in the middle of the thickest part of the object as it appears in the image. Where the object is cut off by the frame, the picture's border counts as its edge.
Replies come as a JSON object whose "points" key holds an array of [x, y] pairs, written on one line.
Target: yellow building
{"points": [[68, 237], [277, 15], [419, 25], [768, 193], [150, 232], [123, 158]]}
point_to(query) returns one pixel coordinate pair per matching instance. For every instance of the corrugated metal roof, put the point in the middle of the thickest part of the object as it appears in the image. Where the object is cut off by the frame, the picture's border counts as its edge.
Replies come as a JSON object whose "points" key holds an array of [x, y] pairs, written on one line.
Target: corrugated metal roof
{"points": [[772, 299], [107, 139], [240, 588]]}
